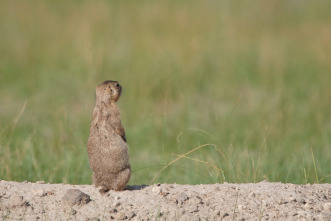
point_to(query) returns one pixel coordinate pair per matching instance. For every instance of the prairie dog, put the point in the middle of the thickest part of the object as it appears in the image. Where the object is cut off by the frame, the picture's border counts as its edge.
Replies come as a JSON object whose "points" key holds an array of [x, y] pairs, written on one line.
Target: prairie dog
{"points": [[106, 147]]}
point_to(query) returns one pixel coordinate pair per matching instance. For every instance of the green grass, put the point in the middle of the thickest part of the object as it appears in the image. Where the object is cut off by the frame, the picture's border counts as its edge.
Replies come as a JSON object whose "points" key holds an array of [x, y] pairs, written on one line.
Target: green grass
{"points": [[253, 79]]}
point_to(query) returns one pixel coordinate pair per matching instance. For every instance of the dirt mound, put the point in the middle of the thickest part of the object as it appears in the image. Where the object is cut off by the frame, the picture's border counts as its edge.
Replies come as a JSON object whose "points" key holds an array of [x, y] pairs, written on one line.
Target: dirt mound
{"points": [[265, 201]]}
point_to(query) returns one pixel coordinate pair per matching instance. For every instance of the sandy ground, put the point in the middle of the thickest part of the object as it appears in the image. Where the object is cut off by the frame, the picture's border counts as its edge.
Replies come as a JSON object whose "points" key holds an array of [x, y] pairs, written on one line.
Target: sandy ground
{"points": [[259, 201]]}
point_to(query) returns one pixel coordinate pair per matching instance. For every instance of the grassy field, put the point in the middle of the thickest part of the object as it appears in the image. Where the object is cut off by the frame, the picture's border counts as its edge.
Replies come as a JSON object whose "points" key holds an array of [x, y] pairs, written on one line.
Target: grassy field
{"points": [[245, 86]]}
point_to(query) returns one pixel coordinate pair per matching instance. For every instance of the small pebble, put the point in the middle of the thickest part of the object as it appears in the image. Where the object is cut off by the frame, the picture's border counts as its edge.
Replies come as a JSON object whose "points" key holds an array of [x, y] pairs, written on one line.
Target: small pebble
{"points": [[327, 207], [241, 207], [120, 216], [156, 190], [193, 209], [40, 193], [76, 197], [131, 214], [182, 197]]}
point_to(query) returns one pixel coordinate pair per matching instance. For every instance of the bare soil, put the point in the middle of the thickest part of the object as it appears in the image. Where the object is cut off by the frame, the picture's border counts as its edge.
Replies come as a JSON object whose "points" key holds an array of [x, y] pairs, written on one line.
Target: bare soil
{"points": [[252, 201]]}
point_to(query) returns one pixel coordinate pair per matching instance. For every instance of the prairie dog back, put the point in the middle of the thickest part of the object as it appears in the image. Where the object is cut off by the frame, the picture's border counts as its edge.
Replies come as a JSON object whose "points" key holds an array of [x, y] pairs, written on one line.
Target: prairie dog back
{"points": [[107, 148]]}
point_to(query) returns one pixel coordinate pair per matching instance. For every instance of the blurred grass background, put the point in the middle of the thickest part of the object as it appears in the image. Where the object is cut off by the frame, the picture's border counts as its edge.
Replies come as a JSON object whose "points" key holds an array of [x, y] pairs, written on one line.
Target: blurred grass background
{"points": [[251, 78]]}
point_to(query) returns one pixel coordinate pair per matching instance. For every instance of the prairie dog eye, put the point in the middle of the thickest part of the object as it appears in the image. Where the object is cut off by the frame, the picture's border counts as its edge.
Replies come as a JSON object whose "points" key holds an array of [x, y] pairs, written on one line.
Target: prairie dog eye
{"points": [[117, 85]]}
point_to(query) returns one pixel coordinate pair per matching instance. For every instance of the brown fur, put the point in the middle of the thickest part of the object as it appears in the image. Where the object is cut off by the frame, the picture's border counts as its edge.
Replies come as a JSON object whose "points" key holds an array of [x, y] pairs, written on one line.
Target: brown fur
{"points": [[107, 148]]}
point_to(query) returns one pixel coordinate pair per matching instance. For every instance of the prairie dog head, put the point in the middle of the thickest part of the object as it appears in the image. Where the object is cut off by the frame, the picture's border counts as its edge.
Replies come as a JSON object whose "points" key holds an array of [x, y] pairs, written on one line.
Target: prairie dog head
{"points": [[108, 91]]}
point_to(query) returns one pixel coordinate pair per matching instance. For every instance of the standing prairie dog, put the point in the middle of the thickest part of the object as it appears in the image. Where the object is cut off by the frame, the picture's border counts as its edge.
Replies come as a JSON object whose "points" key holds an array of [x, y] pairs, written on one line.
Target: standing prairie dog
{"points": [[106, 147]]}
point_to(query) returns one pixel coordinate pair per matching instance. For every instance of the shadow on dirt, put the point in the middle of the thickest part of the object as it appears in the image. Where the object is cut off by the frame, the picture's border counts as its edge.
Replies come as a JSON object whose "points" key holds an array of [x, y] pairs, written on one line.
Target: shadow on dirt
{"points": [[135, 187]]}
